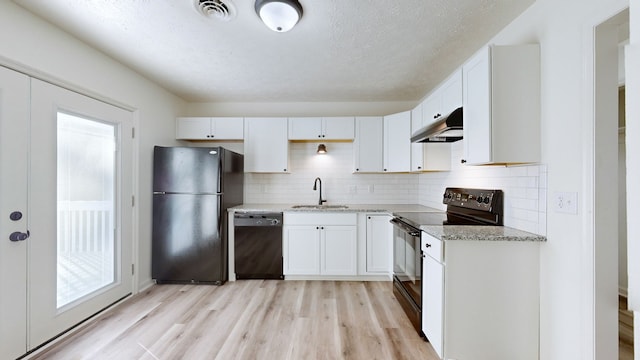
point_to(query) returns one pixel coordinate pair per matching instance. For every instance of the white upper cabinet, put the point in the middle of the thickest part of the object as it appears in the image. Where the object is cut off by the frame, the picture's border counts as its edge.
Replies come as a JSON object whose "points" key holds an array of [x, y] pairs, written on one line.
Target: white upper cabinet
{"points": [[501, 102], [367, 148], [444, 99], [209, 128], [266, 147], [383, 144], [321, 128], [397, 142], [428, 156]]}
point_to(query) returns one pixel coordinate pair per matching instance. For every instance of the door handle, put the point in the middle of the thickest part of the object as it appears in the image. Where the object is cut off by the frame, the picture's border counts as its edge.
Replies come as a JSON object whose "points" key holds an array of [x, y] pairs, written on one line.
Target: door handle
{"points": [[19, 236]]}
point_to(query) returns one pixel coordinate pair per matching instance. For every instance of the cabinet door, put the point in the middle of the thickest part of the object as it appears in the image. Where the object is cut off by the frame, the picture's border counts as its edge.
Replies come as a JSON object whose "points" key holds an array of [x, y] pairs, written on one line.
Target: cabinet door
{"points": [[451, 93], [305, 128], [477, 108], [416, 118], [417, 158], [193, 128], [338, 128], [368, 144], [338, 250], [227, 128], [432, 303], [431, 108], [379, 240], [301, 250], [266, 147], [397, 142]]}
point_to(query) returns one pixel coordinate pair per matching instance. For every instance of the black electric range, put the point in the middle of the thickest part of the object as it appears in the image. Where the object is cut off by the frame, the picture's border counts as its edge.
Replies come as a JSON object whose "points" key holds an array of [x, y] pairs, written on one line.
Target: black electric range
{"points": [[464, 207]]}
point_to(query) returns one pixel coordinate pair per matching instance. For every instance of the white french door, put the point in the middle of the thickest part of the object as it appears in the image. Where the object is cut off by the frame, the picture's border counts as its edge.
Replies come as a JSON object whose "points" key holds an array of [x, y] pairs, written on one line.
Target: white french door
{"points": [[66, 168], [14, 121], [80, 246]]}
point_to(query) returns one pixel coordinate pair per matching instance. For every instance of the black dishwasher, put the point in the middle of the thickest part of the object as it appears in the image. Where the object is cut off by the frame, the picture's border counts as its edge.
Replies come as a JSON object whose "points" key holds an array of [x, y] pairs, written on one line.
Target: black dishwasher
{"points": [[258, 245]]}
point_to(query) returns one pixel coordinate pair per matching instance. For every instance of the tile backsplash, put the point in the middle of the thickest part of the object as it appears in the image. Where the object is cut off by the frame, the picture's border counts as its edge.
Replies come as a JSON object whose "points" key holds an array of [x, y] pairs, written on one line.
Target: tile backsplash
{"points": [[524, 186], [339, 184]]}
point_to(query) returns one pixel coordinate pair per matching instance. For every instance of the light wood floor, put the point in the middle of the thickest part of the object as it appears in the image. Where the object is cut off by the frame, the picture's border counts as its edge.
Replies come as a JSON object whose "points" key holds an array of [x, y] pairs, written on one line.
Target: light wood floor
{"points": [[625, 330], [252, 319]]}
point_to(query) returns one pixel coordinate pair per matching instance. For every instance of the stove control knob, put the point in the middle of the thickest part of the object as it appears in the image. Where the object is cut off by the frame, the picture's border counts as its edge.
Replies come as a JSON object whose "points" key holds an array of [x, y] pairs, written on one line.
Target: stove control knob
{"points": [[487, 199]]}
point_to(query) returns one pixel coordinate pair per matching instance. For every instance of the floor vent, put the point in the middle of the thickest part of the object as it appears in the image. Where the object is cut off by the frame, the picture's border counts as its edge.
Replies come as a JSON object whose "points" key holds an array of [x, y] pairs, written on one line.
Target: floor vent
{"points": [[219, 9]]}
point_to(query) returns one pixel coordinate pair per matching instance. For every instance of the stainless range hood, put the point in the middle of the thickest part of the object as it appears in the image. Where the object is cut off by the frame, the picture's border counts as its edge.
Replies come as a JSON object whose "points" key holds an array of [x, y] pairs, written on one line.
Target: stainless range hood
{"points": [[445, 129]]}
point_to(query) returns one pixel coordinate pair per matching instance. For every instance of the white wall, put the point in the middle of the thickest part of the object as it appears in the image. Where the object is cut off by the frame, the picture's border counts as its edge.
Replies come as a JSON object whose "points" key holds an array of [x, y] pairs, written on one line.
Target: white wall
{"points": [[299, 109], [33, 46]]}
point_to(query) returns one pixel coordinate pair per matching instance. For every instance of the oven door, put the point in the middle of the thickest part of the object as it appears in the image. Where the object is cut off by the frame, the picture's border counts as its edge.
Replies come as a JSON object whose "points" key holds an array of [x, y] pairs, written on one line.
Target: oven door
{"points": [[407, 262]]}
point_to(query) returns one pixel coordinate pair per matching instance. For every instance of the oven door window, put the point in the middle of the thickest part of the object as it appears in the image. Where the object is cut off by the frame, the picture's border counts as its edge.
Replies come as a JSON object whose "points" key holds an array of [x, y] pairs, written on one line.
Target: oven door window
{"points": [[407, 262]]}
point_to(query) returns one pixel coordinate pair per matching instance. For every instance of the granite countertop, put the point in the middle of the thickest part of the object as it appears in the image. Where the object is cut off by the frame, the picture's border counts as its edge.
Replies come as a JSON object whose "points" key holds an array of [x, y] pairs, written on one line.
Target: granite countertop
{"points": [[384, 208], [480, 233]]}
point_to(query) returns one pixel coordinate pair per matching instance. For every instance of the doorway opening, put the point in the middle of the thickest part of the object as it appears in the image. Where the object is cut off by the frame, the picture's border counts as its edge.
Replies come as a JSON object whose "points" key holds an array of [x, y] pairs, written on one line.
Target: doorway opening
{"points": [[609, 209]]}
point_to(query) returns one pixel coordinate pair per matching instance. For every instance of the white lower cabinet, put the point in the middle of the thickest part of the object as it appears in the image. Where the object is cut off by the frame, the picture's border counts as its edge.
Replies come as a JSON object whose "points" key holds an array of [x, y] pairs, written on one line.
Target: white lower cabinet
{"points": [[338, 250], [320, 243], [375, 239], [301, 250], [480, 299]]}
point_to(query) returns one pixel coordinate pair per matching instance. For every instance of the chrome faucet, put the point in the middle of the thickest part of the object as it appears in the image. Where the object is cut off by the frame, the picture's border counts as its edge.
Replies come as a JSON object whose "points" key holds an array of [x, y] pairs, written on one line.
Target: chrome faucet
{"points": [[315, 183]]}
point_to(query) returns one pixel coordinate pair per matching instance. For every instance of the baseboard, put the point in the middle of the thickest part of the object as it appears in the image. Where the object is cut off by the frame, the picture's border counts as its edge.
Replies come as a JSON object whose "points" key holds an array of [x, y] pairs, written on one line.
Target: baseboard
{"points": [[145, 285], [339, 278], [623, 292]]}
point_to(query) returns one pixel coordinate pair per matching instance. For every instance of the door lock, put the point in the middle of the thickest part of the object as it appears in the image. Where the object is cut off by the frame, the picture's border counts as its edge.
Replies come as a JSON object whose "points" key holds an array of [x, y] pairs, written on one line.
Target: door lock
{"points": [[15, 216], [19, 236]]}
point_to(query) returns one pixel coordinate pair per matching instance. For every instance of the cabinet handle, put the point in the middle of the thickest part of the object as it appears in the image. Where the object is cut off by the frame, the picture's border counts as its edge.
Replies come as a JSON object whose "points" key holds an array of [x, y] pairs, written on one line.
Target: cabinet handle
{"points": [[463, 161], [284, 169], [357, 169], [419, 167], [317, 227], [319, 135], [427, 245], [322, 135], [385, 169]]}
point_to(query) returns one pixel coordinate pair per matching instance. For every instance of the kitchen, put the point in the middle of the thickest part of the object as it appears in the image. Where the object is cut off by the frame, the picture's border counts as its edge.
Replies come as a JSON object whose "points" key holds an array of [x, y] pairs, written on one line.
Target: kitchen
{"points": [[546, 22]]}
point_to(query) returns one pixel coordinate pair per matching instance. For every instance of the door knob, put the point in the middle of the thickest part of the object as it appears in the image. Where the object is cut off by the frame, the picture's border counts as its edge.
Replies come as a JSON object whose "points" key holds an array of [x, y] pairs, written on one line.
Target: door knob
{"points": [[19, 236]]}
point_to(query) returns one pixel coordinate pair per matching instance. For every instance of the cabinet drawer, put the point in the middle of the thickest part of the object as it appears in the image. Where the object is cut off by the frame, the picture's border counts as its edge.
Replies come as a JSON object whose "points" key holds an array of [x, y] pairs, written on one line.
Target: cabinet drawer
{"points": [[432, 247], [320, 218]]}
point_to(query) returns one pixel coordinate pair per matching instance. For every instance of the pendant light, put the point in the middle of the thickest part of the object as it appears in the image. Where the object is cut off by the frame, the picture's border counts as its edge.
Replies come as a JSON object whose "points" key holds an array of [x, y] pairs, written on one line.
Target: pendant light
{"points": [[279, 15], [322, 149]]}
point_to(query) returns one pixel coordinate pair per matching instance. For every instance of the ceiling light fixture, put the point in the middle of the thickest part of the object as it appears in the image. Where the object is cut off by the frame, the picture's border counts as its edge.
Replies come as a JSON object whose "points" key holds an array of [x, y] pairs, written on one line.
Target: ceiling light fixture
{"points": [[279, 15], [322, 149]]}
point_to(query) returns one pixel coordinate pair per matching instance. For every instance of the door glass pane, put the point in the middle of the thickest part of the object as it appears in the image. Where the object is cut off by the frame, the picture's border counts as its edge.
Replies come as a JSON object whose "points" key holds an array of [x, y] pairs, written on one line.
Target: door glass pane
{"points": [[86, 207]]}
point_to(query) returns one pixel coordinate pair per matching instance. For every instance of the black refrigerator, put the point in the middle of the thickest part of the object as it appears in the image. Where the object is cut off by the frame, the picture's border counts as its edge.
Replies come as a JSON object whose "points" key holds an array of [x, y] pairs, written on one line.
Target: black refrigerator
{"points": [[192, 189]]}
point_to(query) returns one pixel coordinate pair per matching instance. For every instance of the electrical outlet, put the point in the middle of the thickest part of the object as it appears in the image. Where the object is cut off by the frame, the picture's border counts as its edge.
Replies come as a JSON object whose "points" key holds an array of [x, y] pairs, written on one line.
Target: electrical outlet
{"points": [[565, 202]]}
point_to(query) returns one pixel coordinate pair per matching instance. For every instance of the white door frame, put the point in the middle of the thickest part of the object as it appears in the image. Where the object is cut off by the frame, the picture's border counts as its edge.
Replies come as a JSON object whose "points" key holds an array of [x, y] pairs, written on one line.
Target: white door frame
{"points": [[599, 293]]}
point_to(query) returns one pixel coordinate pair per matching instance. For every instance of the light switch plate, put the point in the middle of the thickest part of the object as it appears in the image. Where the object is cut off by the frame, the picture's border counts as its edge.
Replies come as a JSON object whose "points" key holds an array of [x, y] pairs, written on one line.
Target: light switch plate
{"points": [[565, 202]]}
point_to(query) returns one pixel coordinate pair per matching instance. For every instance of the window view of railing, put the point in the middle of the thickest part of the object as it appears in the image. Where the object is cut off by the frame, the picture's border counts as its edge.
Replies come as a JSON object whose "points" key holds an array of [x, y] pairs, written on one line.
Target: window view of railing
{"points": [[86, 237], [85, 248]]}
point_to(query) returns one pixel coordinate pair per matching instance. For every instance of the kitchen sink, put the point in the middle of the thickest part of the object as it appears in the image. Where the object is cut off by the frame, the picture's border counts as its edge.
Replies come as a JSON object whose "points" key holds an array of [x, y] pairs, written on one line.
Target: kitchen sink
{"points": [[319, 207]]}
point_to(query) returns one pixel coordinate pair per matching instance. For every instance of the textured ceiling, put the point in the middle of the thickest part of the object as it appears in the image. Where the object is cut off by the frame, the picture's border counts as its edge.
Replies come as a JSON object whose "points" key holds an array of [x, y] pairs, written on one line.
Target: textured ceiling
{"points": [[341, 50]]}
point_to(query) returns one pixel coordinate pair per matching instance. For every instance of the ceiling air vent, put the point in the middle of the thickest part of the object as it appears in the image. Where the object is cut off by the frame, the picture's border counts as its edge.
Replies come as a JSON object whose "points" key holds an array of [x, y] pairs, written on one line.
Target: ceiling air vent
{"points": [[220, 9]]}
